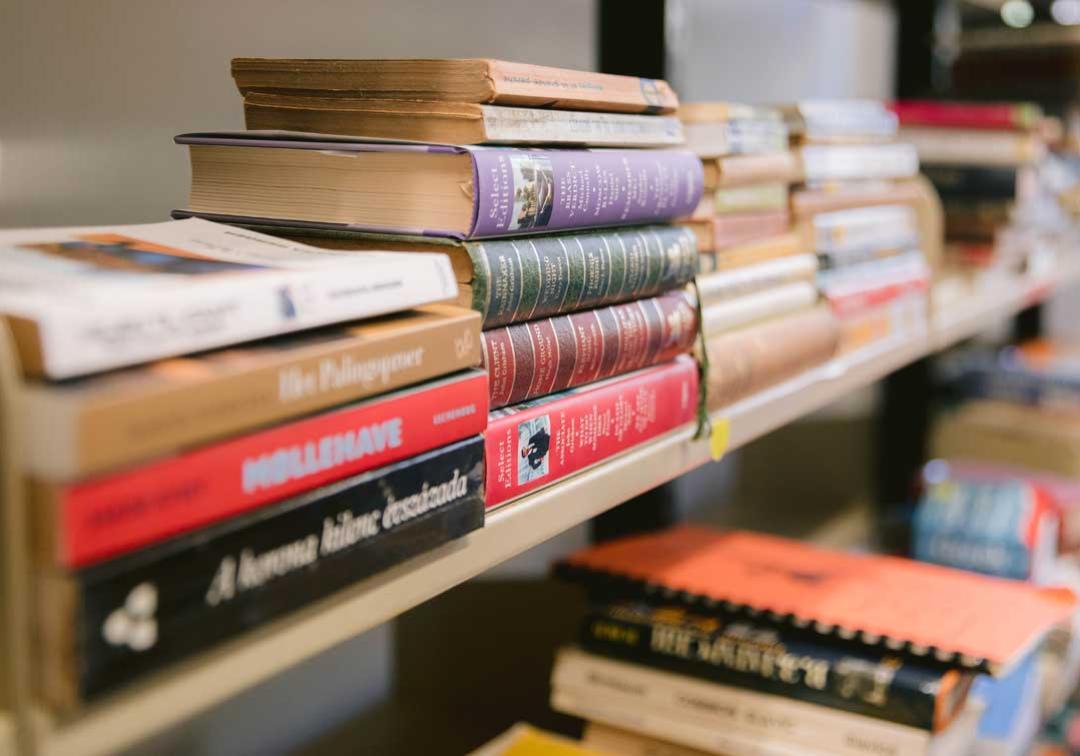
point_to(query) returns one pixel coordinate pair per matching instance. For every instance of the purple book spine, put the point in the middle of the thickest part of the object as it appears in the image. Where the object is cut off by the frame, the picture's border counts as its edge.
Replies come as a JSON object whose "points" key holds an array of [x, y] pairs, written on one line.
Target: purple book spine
{"points": [[542, 191]]}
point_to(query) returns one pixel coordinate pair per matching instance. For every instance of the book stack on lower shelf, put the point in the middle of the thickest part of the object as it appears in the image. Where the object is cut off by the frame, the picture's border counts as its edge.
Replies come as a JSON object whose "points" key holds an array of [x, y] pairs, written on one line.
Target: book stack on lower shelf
{"points": [[737, 643], [178, 496]]}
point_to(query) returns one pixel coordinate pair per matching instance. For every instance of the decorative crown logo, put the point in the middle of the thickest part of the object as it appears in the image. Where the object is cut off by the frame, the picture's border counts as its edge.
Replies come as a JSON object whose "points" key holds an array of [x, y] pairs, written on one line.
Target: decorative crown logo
{"points": [[133, 624]]}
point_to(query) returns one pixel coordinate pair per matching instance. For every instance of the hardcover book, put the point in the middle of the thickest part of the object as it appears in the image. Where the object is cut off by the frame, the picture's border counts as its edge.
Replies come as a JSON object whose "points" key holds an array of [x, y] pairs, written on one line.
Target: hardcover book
{"points": [[537, 443], [757, 306], [86, 300], [1005, 116], [86, 521], [468, 192], [457, 122], [740, 170], [541, 357], [81, 428], [839, 121], [480, 80], [974, 146], [723, 286], [859, 162], [108, 625], [756, 251], [862, 599]]}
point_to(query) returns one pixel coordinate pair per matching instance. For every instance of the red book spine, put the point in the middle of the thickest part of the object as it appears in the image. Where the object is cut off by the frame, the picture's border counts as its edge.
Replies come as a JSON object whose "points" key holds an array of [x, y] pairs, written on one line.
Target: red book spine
{"points": [[541, 357], [113, 514], [853, 302], [538, 444], [957, 115]]}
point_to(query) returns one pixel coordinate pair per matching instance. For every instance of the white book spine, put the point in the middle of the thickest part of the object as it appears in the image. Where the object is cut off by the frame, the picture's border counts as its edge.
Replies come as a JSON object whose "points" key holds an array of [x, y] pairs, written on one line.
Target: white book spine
{"points": [[751, 308], [716, 287], [506, 125]]}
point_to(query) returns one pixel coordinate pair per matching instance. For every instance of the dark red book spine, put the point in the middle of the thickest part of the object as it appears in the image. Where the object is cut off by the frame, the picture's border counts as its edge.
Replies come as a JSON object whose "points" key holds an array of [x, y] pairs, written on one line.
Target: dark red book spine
{"points": [[113, 514], [541, 357], [541, 442], [961, 115]]}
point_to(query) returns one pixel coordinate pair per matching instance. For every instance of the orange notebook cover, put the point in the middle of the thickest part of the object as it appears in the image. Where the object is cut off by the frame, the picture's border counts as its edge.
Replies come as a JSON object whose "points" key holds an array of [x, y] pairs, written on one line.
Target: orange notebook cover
{"points": [[958, 617]]}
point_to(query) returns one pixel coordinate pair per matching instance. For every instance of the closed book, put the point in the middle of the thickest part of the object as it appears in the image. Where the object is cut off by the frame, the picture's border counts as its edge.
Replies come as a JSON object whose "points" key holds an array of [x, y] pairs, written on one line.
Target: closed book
{"points": [[108, 625], [785, 662], [81, 428], [736, 137], [542, 357], [748, 360], [976, 182], [457, 122], [1004, 116], [537, 443], [849, 234], [701, 705], [726, 285], [740, 170], [465, 192], [974, 146], [86, 300], [757, 306], [806, 202], [482, 80], [624, 742], [855, 287], [734, 229], [847, 162], [751, 198], [89, 520], [755, 251], [839, 121]]}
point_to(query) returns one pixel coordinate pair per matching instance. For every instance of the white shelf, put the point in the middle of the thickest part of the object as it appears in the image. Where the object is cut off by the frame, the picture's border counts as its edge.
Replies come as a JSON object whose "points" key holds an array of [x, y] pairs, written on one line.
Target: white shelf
{"points": [[173, 696]]}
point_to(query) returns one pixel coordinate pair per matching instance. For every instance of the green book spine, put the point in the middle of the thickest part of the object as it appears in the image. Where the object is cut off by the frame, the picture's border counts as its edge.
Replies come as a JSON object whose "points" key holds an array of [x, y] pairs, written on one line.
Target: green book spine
{"points": [[516, 280]]}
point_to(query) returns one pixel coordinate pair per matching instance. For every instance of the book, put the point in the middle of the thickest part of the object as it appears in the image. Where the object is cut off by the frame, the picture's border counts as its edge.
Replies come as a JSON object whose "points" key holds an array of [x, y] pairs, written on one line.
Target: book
{"points": [[85, 521], [1013, 712], [456, 122], [808, 201], [1002, 116], [757, 306], [76, 429], [714, 233], [974, 146], [588, 685], [736, 137], [975, 181], [467, 191], [722, 286], [480, 80], [85, 300], [754, 252], [525, 740], [751, 359], [540, 442], [824, 121], [541, 357], [848, 234], [108, 625], [865, 599], [1045, 372], [765, 167], [845, 162], [855, 287], [607, 739], [751, 198], [784, 662]]}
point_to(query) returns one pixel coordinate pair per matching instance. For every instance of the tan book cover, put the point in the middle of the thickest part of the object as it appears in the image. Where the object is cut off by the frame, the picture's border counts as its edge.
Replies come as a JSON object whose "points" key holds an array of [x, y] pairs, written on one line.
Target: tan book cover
{"points": [[723, 286], [750, 253], [974, 146], [478, 80], [740, 170], [80, 428], [749, 198], [457, 122]]}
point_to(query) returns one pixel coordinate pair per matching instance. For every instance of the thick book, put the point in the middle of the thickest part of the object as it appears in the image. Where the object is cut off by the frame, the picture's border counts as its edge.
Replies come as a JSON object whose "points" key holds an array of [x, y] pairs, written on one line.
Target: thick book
{"points": [[839, 121], [478, 80], [590, 686], [861, 599], [540, 442], [978, 182], [457, 122], [86, 521], [85, 300], [542, 357], [76, 429], [438, 190], [786, 662], [723, 286], [1002, 116], [757, 306], [751, 359], [974, 146], [859, 162], [108, 625], [514, 280]]}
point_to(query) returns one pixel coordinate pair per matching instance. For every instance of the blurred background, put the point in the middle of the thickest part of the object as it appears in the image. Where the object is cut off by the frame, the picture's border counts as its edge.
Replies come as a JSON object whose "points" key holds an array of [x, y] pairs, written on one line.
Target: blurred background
{"points": [[93, 92]]}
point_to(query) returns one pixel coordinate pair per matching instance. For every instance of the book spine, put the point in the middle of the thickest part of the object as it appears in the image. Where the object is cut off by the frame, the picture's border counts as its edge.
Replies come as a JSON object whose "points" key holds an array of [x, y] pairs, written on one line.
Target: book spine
{"points": [[752, 198], [525, 84], [771, 660], [506, 125], [1001, 116], [528, 278], [730, 230], [109, 515], [714, 288], [742, 170], [760, 305], [544, 356], [541, 443], [211, 403], [137, 614], [520, 191], [752, 359], [973, 182]]}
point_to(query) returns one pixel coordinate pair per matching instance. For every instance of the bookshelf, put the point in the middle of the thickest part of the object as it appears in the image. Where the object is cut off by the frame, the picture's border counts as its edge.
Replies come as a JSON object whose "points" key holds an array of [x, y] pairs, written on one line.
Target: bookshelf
{"points": [[185, 690]]}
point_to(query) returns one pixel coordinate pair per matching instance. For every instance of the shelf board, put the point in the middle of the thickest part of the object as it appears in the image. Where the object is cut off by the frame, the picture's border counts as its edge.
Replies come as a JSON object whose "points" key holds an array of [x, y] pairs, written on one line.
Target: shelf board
{"points": [[185, 690]]}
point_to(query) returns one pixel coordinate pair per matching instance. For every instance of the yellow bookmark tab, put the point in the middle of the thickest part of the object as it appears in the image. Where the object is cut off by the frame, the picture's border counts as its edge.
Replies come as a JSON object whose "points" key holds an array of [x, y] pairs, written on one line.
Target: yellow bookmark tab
{"points": [[718, 438]]}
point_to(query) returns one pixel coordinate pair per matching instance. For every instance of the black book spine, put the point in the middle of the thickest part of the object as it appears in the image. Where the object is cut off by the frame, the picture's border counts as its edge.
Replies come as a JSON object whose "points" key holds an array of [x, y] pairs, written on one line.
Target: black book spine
{"points": [[137, 614], [782, 662], [972, 181]]}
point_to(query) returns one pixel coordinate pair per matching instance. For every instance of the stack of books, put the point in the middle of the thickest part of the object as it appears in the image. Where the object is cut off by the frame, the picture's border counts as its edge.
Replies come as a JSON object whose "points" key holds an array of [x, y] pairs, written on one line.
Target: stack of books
{"points": [[565, 253], [981, 158], [738, 643], [856, 206], [200, 460]]}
